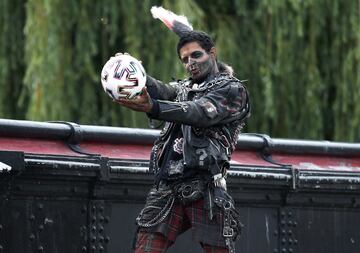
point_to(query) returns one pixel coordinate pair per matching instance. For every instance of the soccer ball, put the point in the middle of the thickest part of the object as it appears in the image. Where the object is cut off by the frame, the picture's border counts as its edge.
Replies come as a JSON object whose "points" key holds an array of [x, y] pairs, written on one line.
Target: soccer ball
{"points": [[123, 73]]}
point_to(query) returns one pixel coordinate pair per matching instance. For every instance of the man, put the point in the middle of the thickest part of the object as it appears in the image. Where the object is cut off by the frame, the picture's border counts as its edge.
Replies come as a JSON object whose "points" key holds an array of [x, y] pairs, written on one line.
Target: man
{"points": [[204, 115]]}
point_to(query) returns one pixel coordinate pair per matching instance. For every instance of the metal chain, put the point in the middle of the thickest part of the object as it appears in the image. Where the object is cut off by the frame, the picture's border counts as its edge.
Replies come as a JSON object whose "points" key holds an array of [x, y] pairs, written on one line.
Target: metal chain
{"points": [[160, 216]]}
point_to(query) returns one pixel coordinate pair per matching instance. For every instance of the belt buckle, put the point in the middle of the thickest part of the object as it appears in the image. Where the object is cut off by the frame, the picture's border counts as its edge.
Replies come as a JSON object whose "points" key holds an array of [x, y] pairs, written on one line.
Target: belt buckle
{"points": [[187, 191], [228, 232], [227, 205]]}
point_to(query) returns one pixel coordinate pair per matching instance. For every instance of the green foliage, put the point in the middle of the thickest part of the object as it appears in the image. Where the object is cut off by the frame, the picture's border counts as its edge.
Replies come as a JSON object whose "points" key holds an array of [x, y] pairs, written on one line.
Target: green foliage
{"points": [[12, 13], [301, 59]]}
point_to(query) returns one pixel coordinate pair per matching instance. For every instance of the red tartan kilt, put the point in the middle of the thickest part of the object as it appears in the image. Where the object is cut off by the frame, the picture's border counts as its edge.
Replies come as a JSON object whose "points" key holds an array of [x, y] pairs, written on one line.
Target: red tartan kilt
{"points": [[192, 216]]}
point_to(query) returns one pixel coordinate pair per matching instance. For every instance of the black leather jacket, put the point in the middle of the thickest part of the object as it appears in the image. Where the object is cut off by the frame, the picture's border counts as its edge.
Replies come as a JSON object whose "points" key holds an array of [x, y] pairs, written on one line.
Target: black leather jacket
{"points": [[211, 116]]}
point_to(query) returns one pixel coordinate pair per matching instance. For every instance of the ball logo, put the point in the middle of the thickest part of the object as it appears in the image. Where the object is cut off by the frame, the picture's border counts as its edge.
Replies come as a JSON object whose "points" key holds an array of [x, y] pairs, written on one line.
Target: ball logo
{"points": [[129, 72], [123, 77]]}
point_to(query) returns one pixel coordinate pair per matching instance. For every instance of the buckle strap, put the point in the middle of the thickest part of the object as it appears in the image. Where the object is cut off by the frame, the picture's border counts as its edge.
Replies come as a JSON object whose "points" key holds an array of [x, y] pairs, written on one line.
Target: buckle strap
{"points": [[190, 191], [230, 224], [228, 231]]}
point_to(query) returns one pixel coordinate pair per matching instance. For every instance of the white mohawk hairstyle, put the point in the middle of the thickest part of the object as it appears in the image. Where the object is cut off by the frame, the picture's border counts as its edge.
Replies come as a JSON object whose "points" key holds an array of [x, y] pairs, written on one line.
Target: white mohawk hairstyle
{"points": [[179, 24]]}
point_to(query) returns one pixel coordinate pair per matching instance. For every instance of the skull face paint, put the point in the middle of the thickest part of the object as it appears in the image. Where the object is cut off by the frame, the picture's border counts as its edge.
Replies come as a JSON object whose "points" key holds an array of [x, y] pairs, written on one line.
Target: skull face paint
{"points": [[197, 61]]}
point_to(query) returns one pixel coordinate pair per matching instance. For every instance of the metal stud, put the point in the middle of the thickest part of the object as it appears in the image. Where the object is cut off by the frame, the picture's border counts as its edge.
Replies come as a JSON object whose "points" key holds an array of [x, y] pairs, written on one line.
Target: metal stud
{"points": [[32, 237], [40, 206]]}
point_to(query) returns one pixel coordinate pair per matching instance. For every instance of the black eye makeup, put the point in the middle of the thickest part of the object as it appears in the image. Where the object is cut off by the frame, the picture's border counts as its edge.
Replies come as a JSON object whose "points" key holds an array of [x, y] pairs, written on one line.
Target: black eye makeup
{"points": [[197, 54], [193, 55]]}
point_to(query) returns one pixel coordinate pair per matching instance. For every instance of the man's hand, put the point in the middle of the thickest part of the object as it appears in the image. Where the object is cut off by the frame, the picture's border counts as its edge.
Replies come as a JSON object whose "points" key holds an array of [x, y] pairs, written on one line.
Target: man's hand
{"points": [[140, 103]]}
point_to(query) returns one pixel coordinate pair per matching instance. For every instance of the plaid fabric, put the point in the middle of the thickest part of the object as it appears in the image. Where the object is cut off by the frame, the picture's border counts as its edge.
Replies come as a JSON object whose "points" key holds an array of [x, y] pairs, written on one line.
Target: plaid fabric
{"points": [[148, 242], [192, 216], [151, 243]]}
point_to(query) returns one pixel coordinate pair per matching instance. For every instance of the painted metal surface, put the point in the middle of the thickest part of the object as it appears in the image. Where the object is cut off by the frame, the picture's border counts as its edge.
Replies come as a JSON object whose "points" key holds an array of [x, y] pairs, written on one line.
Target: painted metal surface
{"points": [[292, 195]]}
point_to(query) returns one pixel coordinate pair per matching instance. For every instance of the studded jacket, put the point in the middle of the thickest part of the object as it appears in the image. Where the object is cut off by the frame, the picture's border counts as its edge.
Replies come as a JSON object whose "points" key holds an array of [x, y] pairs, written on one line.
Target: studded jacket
{"points": [[211, 116]]}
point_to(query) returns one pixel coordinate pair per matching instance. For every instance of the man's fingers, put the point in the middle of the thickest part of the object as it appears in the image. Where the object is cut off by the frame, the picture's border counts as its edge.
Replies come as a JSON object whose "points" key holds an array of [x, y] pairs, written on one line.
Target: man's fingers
{"points": [[141, 102]]}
